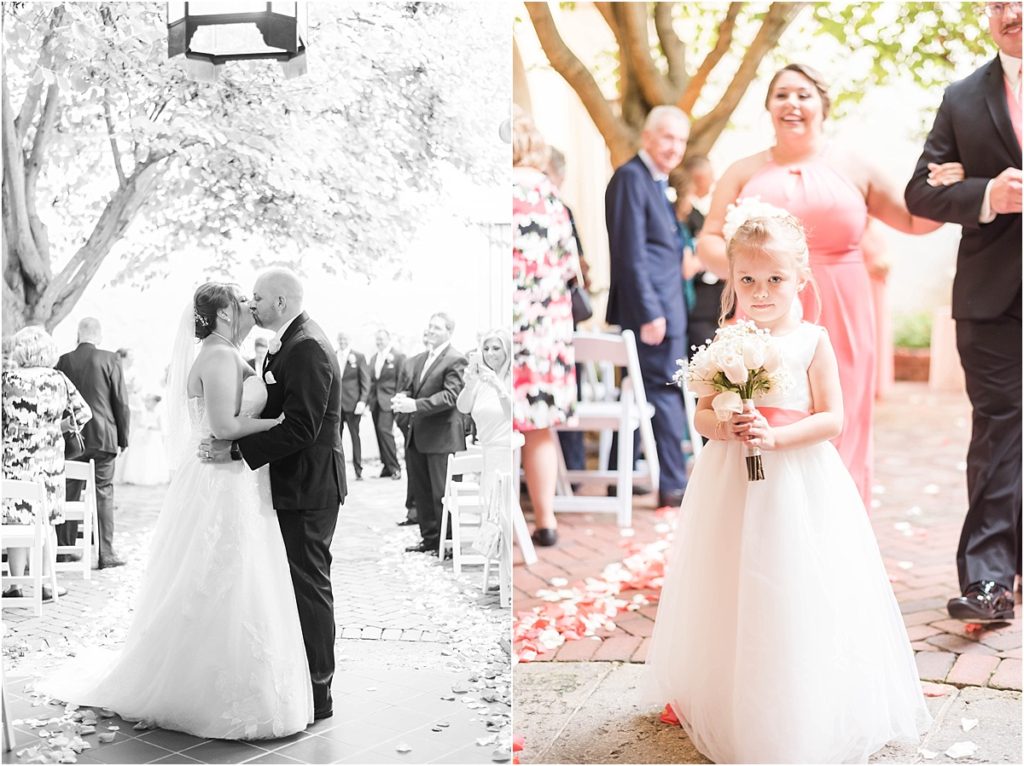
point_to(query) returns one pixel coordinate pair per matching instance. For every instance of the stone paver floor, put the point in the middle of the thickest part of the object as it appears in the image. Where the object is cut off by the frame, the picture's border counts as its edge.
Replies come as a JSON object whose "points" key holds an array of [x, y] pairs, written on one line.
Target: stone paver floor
{"points": [[422, 656]]}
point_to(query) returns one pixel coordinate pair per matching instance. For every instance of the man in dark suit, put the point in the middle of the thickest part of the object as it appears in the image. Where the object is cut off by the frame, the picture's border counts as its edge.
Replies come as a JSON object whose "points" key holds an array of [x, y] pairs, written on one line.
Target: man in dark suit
{"points": [[646, 290], [978, 125], [385, 367], [435, 425], [355, 393], [402, 420], [307, 464], [99, 378]]}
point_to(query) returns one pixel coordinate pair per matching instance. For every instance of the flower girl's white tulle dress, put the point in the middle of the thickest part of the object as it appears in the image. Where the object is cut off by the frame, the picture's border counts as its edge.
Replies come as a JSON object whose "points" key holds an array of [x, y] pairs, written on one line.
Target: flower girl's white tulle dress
{"points": [[215, 648], [778, 638]]}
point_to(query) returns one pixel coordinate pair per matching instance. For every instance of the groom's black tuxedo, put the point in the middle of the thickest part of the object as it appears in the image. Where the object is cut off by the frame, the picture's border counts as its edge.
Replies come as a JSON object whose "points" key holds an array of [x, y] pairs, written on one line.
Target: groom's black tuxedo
{"points": [[307, 464], [307, 480], [973, 127]]}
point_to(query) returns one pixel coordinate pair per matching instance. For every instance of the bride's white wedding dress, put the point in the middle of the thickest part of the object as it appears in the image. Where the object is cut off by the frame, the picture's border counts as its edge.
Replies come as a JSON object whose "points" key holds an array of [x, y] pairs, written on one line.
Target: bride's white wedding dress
{"points": [[778, 638], [214, 648]]}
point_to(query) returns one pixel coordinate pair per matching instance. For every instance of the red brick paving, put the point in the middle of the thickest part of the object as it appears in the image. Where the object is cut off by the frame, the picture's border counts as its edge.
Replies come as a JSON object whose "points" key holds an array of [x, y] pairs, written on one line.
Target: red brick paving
{"points": [[920, 446]]}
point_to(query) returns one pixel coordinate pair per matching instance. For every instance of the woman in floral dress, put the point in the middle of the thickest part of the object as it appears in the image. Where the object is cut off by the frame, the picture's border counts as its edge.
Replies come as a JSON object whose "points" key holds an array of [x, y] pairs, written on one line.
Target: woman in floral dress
{"points": [[544, 259], [35, 400]]}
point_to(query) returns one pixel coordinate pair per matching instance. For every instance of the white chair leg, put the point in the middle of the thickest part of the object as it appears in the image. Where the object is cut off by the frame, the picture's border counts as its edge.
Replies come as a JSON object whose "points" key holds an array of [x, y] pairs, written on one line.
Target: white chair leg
{"points": [[442, 542], [625, 468], [456, 535], [50, 554], [35, 564]]}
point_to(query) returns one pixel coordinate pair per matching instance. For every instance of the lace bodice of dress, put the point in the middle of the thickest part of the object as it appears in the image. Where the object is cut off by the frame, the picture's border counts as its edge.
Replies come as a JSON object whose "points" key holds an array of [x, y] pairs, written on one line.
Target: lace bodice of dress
{"points": [[254, 398], [797, 349]]}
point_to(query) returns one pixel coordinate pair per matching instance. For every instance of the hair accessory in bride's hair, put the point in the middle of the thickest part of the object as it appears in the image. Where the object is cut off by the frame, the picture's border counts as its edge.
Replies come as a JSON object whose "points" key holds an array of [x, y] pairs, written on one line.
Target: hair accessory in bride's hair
{"points": [[201, 319], [746, 208]]}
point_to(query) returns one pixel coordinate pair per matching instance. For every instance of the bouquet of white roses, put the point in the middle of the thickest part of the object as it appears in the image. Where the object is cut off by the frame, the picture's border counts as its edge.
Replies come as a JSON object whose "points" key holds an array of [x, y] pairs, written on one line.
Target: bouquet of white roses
{"points": [[740, 363]]}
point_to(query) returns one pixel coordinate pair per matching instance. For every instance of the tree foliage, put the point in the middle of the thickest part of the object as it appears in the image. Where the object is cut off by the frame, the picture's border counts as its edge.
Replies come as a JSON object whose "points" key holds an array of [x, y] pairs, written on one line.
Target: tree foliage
{"points": [[105, 140], [704, 57]]}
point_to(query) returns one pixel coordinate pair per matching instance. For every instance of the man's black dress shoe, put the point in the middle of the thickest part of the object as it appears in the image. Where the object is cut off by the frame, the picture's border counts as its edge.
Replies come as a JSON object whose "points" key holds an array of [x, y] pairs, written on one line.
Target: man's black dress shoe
{"points": [[638, 489], [983, 601], [359, 477], [385, 473], [321, 714], [544, 537], [407, 523], [110, 562], [421, 548], [673, 498]]}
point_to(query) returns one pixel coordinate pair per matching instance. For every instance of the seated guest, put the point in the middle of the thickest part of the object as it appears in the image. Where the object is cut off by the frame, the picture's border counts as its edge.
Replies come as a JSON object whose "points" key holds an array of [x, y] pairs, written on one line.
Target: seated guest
{"points": [[35, 398]]}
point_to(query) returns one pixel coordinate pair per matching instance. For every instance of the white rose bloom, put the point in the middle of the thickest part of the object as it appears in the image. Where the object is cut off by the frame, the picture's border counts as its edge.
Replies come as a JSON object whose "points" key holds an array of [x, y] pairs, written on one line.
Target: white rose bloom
{"points": [[734, 368], [754, 353]]}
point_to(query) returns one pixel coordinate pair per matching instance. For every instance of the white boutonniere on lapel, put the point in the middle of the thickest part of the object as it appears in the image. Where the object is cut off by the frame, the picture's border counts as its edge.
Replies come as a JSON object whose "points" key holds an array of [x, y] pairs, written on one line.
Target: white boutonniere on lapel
{"points": [[269, 378], [670, 194], [274, 346]]}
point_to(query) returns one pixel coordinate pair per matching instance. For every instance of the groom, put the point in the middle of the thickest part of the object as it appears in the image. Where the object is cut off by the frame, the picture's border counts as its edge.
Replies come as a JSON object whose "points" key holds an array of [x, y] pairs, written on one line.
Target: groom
{"points": [[979, 126], [307, 466]]}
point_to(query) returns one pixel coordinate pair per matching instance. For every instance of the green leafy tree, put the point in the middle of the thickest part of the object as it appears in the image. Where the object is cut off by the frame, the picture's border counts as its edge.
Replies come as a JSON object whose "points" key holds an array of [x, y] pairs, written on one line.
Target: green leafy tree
{"points": [[112, 144], [703, 58]]}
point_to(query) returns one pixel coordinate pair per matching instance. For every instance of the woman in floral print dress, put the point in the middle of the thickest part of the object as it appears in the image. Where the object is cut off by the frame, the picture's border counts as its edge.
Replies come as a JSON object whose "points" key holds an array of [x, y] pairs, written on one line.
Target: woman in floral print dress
{"points": [[544, 259], [35, 398]]}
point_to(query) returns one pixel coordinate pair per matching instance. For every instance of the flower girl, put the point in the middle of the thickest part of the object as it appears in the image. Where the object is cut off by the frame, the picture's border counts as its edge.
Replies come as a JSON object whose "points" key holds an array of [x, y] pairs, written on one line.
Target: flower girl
{"points": [[778, 638]]}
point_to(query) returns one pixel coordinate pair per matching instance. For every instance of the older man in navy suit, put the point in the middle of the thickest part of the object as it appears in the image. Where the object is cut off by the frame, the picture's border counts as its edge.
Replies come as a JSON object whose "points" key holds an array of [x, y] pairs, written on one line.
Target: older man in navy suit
{"points": [[646, 291]]}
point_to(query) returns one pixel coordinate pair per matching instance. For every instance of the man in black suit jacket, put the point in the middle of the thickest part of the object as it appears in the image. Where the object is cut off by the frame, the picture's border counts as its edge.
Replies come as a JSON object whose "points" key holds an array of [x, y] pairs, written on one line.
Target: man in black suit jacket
{"points": [[974, 127], [98, 376], [435, 426], [355, 393], [402, 420], [646, 290], [385, 367], [307, 465]]}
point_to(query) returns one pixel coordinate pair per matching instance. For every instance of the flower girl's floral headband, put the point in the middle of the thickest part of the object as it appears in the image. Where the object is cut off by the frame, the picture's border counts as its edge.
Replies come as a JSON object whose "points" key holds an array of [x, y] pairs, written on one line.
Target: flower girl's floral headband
{"points": [[744, 210]]}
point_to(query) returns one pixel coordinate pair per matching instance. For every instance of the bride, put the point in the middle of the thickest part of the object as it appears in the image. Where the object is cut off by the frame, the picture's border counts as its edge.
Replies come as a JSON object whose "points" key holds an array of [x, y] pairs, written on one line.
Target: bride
{"points": [[214, 648]]}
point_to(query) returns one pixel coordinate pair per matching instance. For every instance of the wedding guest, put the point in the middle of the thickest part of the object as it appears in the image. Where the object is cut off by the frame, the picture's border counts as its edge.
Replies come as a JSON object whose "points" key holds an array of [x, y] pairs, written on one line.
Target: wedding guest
{"points": [[260, 346], [145, 464], [703, 288], [832, 192], [385, 366], [571, 441], [435, 426], [355, 393], [544, 259], [98, 375], [978, 125], [402, 421], [836, 661], [487, 398], [35, 398], [646, 290]]}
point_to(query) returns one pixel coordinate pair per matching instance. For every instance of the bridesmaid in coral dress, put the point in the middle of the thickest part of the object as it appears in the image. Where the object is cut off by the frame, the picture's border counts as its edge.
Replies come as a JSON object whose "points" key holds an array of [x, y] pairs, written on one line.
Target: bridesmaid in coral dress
{"points": [[832, 193]]}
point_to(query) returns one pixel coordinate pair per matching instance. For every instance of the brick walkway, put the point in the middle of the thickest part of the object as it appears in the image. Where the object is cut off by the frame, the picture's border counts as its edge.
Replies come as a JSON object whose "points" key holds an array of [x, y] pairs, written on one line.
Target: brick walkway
{"points": [[920, 499], [423, 667]]}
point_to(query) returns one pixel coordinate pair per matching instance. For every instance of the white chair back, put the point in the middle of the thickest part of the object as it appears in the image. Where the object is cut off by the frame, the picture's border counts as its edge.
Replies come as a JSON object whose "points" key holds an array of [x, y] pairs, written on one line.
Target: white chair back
{"points": [[31, 536]]}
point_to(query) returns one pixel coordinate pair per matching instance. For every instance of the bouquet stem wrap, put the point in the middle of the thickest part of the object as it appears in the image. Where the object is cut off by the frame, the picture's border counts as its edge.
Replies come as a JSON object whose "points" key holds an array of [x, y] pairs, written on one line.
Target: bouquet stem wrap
{"points": [[755, 466]]}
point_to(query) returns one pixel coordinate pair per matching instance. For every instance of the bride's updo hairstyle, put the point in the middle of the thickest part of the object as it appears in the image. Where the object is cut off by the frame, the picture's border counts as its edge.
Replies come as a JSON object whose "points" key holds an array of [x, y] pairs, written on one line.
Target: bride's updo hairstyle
{"points": [[777, 238], [207, 301]]}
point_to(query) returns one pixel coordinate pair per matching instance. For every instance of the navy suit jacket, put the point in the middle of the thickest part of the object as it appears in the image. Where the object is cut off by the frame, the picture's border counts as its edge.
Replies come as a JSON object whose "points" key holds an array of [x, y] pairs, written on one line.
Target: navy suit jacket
{"points": [[973, 127], [307, 465], [645, 253], [436, 426], [98, 376]]}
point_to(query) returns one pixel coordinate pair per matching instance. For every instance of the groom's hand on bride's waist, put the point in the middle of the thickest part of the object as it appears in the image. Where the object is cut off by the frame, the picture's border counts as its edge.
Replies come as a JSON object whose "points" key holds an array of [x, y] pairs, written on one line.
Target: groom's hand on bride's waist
{"points": [[214, 450]]}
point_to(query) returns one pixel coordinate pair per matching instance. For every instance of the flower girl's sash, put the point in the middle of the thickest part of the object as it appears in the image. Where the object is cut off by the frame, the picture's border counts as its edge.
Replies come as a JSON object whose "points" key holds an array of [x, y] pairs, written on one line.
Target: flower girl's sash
{"points": [[777, 416]]}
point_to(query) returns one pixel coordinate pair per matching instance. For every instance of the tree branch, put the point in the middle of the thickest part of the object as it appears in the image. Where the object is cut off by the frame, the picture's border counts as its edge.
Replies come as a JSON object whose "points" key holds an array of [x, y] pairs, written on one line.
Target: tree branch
{"points": [[35, 90], [14, 181], [113, 141], [652, 83], [572, 70], [707, 129], [44, 131], [696, 84], [63, 292], [671, 46]]}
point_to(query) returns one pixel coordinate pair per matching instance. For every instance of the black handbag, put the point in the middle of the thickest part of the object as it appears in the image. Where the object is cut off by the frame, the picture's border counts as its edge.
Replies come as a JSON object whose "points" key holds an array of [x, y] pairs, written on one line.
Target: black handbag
{"points": [[582, 309], [74, 444]]}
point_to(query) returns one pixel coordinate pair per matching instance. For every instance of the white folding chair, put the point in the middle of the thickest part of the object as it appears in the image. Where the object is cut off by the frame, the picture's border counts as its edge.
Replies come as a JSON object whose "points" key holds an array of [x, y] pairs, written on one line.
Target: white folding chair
{"points": [[32, 536], [84, 512], [502, 495], [8, 724], [623, 414], [520, 529], [463, 505]]}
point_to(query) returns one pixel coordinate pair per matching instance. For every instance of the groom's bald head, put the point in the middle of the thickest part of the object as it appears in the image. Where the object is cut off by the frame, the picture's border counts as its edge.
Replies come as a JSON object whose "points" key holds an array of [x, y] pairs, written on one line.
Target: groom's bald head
{"points": [[277, 297]]}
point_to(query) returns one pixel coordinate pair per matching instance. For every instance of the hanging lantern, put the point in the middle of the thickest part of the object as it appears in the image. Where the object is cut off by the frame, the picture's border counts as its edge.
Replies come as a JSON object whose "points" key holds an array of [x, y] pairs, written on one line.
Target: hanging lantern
{"points": [[213, 32]]}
